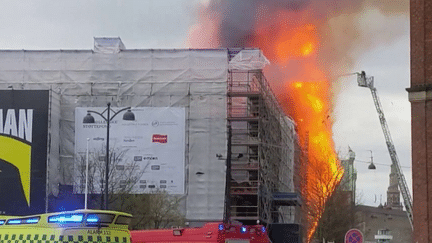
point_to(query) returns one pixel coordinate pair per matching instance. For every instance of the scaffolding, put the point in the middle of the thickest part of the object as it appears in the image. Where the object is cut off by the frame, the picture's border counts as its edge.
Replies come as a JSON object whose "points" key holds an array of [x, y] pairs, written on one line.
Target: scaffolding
{"points": [[203, 82], [263, 152]]}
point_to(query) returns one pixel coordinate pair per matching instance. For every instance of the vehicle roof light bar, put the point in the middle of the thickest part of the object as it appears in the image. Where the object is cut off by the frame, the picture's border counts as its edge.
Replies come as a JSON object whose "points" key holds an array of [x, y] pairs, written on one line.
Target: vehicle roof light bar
{"points": [[66, 218]]}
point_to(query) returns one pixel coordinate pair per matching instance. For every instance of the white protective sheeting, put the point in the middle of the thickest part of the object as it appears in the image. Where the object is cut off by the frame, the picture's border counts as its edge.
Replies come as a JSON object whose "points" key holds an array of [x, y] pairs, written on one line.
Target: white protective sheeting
{"points": [[193, 79], [108, 45], [249, 59], [53, 162]]}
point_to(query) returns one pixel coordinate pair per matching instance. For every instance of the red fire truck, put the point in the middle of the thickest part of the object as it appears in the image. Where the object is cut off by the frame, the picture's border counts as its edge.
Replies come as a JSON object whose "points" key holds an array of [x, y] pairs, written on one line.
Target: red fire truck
{"points": [[217, 232]]}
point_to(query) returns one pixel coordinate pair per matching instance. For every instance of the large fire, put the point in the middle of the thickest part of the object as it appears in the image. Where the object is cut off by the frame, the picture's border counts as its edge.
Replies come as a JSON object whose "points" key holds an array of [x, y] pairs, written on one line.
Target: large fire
{"points": [[304, 92], [306, 97], [307, 41]]}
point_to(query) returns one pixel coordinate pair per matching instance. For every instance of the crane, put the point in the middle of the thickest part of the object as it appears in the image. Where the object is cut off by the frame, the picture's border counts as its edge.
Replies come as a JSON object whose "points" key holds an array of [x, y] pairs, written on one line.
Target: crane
{"points": [[368, 82]]}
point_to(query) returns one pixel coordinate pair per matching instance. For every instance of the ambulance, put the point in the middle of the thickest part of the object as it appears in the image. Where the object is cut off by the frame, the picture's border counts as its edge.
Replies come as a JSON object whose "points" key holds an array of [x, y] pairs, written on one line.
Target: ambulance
{"points": [[214, 232], [83, 225]]}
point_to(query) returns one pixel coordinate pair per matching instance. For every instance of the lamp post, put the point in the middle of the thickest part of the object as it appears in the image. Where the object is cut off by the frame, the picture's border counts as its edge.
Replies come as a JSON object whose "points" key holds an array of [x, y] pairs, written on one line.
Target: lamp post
{"points": [[371, 166], [86, 183], [128, 116]]}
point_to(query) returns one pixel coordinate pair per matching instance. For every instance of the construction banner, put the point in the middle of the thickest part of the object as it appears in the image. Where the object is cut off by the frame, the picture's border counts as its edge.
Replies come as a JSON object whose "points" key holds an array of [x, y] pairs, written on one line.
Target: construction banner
{"points": [[146, 155], [23, 150]]}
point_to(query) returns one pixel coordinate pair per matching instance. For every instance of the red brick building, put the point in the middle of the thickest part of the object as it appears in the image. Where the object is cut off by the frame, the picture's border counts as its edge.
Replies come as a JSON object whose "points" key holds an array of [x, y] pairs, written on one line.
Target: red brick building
{"points": [[420, 96]]}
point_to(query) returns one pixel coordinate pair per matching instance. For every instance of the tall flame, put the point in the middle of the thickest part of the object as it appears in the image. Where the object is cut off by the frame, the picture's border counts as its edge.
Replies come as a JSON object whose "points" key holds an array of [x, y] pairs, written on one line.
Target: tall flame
{"points": [[306, 97], [306, 41]]}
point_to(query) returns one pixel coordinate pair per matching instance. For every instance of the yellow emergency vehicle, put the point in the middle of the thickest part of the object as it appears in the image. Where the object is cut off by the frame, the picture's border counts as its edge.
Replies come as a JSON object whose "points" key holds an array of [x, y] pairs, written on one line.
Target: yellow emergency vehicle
{"points": [[74, 226]]}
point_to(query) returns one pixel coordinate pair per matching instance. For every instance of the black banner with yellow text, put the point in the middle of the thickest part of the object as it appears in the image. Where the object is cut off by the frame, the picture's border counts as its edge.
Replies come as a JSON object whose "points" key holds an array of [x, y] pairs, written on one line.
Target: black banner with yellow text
{"points": [[23, 151]]}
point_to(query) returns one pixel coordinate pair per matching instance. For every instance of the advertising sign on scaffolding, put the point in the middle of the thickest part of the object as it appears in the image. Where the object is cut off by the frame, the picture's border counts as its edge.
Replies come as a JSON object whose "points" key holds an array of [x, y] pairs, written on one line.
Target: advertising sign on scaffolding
{"points": [[23, 150], [146, 155]]}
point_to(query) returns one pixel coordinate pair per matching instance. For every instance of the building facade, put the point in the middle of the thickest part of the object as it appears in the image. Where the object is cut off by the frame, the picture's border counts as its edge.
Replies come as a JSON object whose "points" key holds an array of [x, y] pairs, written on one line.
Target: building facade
{"points": [[371, 220], [214, 89], [421, 117]]}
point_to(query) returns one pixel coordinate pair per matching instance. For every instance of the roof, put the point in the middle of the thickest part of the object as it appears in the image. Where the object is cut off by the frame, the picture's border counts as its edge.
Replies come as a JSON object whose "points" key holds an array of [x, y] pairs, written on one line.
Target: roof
{"points": [[378, 210]]}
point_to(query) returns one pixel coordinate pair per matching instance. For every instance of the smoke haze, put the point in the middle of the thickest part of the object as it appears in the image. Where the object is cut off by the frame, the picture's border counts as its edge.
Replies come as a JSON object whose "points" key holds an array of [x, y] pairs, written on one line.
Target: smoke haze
{"points": [[345, 28]]}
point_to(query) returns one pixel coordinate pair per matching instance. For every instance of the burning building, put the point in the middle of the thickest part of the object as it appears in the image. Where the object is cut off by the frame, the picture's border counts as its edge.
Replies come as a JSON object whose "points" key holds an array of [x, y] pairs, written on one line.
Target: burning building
{"points": [[264, 149], [310, 44], [189, 105]]}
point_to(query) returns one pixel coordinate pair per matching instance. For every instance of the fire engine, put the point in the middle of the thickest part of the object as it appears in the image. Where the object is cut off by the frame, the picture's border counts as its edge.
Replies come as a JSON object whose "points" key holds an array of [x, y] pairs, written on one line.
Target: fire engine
{"points": [[217, 232]]}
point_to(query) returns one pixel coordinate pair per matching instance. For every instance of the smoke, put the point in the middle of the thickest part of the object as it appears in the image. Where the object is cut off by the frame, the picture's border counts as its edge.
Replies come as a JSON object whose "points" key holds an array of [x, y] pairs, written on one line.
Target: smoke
{"points": [[346, 28], [237, 27]]}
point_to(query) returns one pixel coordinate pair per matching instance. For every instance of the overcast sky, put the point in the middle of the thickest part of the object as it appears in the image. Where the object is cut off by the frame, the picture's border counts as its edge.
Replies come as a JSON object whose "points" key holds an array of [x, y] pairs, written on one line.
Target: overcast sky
{"points": [[47, 25], [357, 124]]}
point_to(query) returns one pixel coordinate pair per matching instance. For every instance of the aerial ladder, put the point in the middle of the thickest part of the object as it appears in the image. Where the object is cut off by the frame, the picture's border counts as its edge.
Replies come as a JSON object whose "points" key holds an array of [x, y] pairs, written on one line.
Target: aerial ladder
{"points": [[368, 82]]}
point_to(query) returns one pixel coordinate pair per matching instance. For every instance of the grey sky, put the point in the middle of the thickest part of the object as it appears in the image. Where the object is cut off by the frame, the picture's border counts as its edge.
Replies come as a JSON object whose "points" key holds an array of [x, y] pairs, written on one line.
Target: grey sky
{"points": [[43, 24], [357, 123]]}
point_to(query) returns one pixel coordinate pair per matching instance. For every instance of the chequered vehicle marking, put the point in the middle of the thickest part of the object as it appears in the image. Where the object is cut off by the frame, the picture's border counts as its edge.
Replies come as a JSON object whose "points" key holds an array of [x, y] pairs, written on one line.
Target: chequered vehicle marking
{"points": [[44, 238]]}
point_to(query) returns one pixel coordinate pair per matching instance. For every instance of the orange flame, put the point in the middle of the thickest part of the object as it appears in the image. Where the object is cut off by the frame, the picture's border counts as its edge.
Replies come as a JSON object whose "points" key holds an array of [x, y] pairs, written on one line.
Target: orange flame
{"points": [[307, 98], [305, 94]]}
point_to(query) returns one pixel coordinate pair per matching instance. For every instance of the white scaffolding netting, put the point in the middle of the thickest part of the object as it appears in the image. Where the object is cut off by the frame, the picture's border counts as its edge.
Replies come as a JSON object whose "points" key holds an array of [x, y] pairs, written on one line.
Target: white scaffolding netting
{"points": [[193, 79], [249, 59]]}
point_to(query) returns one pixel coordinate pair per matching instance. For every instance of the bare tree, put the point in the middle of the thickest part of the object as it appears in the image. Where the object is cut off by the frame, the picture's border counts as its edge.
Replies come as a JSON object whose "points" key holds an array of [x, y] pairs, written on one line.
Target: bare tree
{"points": [[80, 173], [155, 210], [338, 216], [123, 174], [317, 183], [152, 211]]}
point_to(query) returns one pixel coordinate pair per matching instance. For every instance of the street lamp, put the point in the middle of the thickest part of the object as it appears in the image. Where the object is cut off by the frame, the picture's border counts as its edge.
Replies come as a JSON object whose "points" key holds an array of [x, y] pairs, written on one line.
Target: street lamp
{"points": [[86, 183], [371, 166], [128, 116]]}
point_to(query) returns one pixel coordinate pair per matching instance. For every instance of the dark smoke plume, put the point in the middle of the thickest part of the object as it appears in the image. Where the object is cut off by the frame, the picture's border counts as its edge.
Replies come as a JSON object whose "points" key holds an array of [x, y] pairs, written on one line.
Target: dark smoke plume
{"points": [[338, 24]]}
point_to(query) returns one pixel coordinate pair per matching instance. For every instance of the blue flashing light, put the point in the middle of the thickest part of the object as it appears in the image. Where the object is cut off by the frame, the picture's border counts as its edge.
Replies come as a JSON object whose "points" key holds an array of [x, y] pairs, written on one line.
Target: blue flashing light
{"points": [[66, 218], [92, 218], [53, 219], [221, 227], [2, 222], [76, 218], [32, 220], [243, 229], [263, 229], [14, 221]]}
